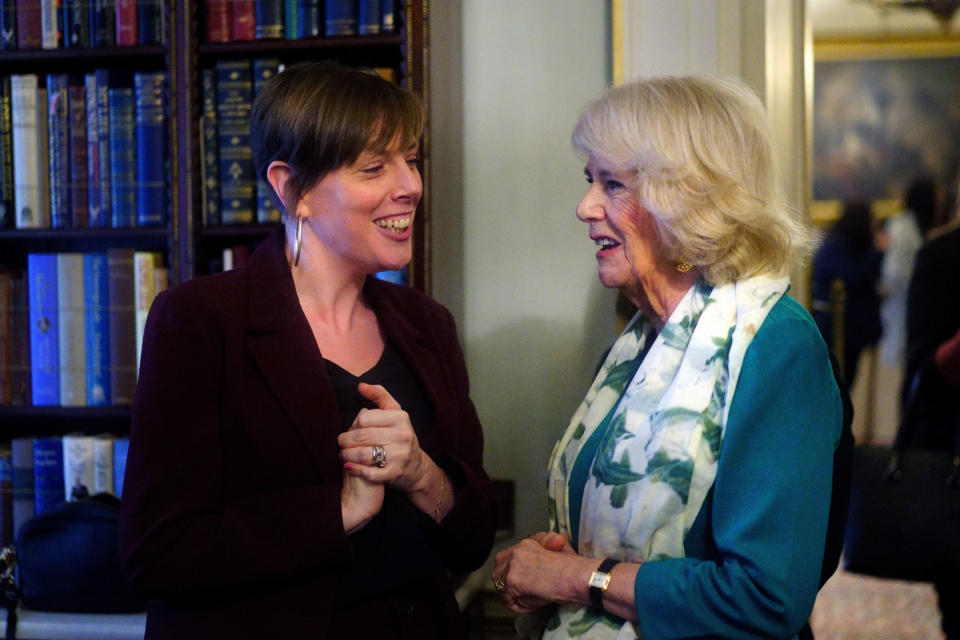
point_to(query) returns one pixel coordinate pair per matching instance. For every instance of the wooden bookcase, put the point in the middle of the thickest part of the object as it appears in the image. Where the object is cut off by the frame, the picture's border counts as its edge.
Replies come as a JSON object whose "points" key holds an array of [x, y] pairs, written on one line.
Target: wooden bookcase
{"points": [[184, 240]]}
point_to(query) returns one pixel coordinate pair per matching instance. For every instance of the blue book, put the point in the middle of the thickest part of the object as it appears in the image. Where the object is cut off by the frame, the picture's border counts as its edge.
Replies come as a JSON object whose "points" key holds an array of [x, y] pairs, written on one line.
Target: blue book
{"points": [[24, 491], [58, 132], [290, 22], [123, 157], [267, 211], [340, 17], [102, 30], [6, 497], [150, 89], [308, 18], [102, 79], [75, 19], [98, 214], [150, 22], [96, 301], [388, 17], [120, 448], [48, 473], [8, 25], [237, 179], [269, 18], [369, 17], [44, 340], [209, 147]]}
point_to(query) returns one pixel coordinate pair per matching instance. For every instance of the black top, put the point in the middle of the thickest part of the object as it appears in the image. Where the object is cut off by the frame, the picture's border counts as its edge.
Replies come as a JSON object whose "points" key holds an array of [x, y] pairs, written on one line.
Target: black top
{"points": [[391, 553]]}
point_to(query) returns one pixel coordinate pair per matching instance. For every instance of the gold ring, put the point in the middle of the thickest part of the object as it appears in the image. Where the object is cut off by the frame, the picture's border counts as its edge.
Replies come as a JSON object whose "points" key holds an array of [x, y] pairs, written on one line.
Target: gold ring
{"points": [[499, 585]]}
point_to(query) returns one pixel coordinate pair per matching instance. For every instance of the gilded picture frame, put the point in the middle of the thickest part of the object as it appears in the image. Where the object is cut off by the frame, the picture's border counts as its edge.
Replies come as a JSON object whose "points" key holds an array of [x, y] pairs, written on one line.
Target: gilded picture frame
{"points": [[883, 110]]}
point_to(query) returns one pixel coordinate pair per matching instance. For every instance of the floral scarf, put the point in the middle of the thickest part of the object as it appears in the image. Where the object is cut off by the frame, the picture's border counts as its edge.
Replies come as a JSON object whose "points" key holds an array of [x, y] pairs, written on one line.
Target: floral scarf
{"points": [[657, 458]]}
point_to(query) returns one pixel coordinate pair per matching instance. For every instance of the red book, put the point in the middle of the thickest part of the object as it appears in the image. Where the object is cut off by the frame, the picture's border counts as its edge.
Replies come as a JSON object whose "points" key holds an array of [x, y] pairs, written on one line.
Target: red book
{"points": [[29, 24], [244, 20], [126, 23], [218, 20]]}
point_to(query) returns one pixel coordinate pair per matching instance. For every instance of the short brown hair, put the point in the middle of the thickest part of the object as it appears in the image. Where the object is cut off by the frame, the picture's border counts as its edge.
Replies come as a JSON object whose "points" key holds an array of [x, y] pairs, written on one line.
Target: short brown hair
{"points": [[320, 116]]}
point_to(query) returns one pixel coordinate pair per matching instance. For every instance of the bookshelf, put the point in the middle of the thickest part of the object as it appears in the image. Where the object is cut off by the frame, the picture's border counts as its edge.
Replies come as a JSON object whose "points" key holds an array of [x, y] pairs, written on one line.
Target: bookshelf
{"points": [[188, 244]]}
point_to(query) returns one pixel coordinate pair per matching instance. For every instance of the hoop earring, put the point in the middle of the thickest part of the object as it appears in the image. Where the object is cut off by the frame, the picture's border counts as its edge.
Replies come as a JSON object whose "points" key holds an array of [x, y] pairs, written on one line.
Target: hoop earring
{"points": [[298, 246]]}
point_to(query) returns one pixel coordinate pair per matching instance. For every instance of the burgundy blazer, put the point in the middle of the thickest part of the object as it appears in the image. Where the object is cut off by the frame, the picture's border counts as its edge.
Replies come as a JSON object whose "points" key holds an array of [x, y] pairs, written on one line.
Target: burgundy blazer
{"points": [[230, 519]]}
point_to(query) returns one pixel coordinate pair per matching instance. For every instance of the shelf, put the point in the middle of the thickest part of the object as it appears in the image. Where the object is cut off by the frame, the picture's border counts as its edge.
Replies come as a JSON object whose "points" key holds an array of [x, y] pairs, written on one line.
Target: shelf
{"points": [[44, 625], [238, 230], [272, 45], [25, 235]]}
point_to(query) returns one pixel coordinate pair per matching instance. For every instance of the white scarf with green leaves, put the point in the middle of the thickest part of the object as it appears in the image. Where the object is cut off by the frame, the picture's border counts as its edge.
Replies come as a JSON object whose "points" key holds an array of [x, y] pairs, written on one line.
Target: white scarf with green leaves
{"points": [[658, 457]]}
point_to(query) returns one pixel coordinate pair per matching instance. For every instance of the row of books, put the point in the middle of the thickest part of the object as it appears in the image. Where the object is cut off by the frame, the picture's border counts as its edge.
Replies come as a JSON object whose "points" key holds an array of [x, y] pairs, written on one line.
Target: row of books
{"points": [[84, 315], [83, 152], [38, 473], [229, 20], [74, 24]]}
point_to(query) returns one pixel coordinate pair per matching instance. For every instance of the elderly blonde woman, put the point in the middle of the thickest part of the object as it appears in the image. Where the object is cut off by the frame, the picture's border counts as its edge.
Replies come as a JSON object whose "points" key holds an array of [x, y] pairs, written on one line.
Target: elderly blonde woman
{"points": [[689, 497]]}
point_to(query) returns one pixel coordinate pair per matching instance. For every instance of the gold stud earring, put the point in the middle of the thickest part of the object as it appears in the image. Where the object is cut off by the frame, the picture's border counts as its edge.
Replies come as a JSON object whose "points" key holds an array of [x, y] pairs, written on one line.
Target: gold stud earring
{"points": [[683, 266]]}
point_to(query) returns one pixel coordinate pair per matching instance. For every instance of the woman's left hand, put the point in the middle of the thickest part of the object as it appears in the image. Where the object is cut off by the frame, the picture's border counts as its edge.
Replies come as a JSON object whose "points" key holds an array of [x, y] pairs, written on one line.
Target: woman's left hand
{"points": [[537, 571], [387, 427]]}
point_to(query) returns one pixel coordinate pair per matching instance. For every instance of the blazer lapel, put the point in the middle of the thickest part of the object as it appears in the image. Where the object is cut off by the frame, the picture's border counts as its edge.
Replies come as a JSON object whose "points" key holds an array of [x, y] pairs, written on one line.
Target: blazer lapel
{"points": [[283, 350]]}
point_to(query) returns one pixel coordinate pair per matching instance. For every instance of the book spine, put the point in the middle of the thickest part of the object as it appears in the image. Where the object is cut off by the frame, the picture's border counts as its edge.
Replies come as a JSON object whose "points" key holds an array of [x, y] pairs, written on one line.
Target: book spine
{"points": [[94, 208], [44, 343], [96, 296], [150, 22], [120, 448], [126, 22], [340, 17], [7, 217], [29, 24], [123, 157], [6, 496], [72, 350], [369, 17], [103, 464], [78, 474], [308, 18], [237, 179], [102, 80], [6, 333], [20, 343], [8, 25], [151, 132], [388, 17], [268, 16], [290, 22], [211, 155], [145, 290], [122, 325], [24, 492], [218, 20], [27, 103], [52, 33], [79, 205], [58, 127], [75, 19], [267, 211], [243, 15], [102, 17], [47, 473]]}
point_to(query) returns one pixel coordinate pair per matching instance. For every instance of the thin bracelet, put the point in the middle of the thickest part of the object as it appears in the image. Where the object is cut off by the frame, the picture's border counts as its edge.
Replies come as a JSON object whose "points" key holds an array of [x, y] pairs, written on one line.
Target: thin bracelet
{"points": [[436, 509]]}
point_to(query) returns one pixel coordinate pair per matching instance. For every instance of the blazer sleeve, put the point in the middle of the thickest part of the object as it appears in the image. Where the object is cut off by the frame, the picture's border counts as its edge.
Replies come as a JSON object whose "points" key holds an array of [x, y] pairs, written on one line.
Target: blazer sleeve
{"points": [[183, 529], [465, 536], [771, 501]]}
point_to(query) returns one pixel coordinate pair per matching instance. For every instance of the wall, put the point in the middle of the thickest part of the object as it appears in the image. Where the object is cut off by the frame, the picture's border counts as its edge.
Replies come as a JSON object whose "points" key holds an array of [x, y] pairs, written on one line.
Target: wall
{"points": [[509, 256]]}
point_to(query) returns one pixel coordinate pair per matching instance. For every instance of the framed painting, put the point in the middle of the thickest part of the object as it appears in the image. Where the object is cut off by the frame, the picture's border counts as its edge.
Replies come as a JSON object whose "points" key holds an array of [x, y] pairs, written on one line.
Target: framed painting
{"points": [[884, 111]]}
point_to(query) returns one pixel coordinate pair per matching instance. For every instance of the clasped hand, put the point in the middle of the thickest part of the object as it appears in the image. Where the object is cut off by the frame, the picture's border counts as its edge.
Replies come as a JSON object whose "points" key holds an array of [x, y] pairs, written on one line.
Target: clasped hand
{"points": [[529, 574], [388, 427]]}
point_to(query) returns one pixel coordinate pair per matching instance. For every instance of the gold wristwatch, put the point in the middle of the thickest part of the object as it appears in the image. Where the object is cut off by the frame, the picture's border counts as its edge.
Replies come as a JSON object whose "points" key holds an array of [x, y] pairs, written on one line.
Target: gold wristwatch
{"points": [[599, 581]]}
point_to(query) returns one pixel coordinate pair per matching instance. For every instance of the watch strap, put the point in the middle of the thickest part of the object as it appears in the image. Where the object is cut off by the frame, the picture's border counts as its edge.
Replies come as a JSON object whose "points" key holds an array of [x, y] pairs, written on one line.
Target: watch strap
{"points": [[596, 593]]}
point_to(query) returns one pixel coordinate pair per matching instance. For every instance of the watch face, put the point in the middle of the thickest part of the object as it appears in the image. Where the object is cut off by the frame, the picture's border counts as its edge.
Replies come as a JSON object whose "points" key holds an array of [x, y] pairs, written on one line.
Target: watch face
{"points": [[599, 580]]}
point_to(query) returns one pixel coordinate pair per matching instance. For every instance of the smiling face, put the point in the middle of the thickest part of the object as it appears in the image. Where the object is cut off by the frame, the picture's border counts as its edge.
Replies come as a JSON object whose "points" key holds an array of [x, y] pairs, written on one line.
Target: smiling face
{"points": [[620, 226], [362, 213]]}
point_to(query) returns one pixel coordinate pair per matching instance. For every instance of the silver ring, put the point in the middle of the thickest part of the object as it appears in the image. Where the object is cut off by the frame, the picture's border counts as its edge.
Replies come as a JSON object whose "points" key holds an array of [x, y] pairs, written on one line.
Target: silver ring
{"points": [[499, 585], [379, 456]]}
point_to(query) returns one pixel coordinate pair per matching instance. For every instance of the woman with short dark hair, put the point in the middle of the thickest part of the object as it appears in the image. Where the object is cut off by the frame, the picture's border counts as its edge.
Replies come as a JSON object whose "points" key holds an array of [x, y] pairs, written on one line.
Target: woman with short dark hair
{"points": [[305, 460]]}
